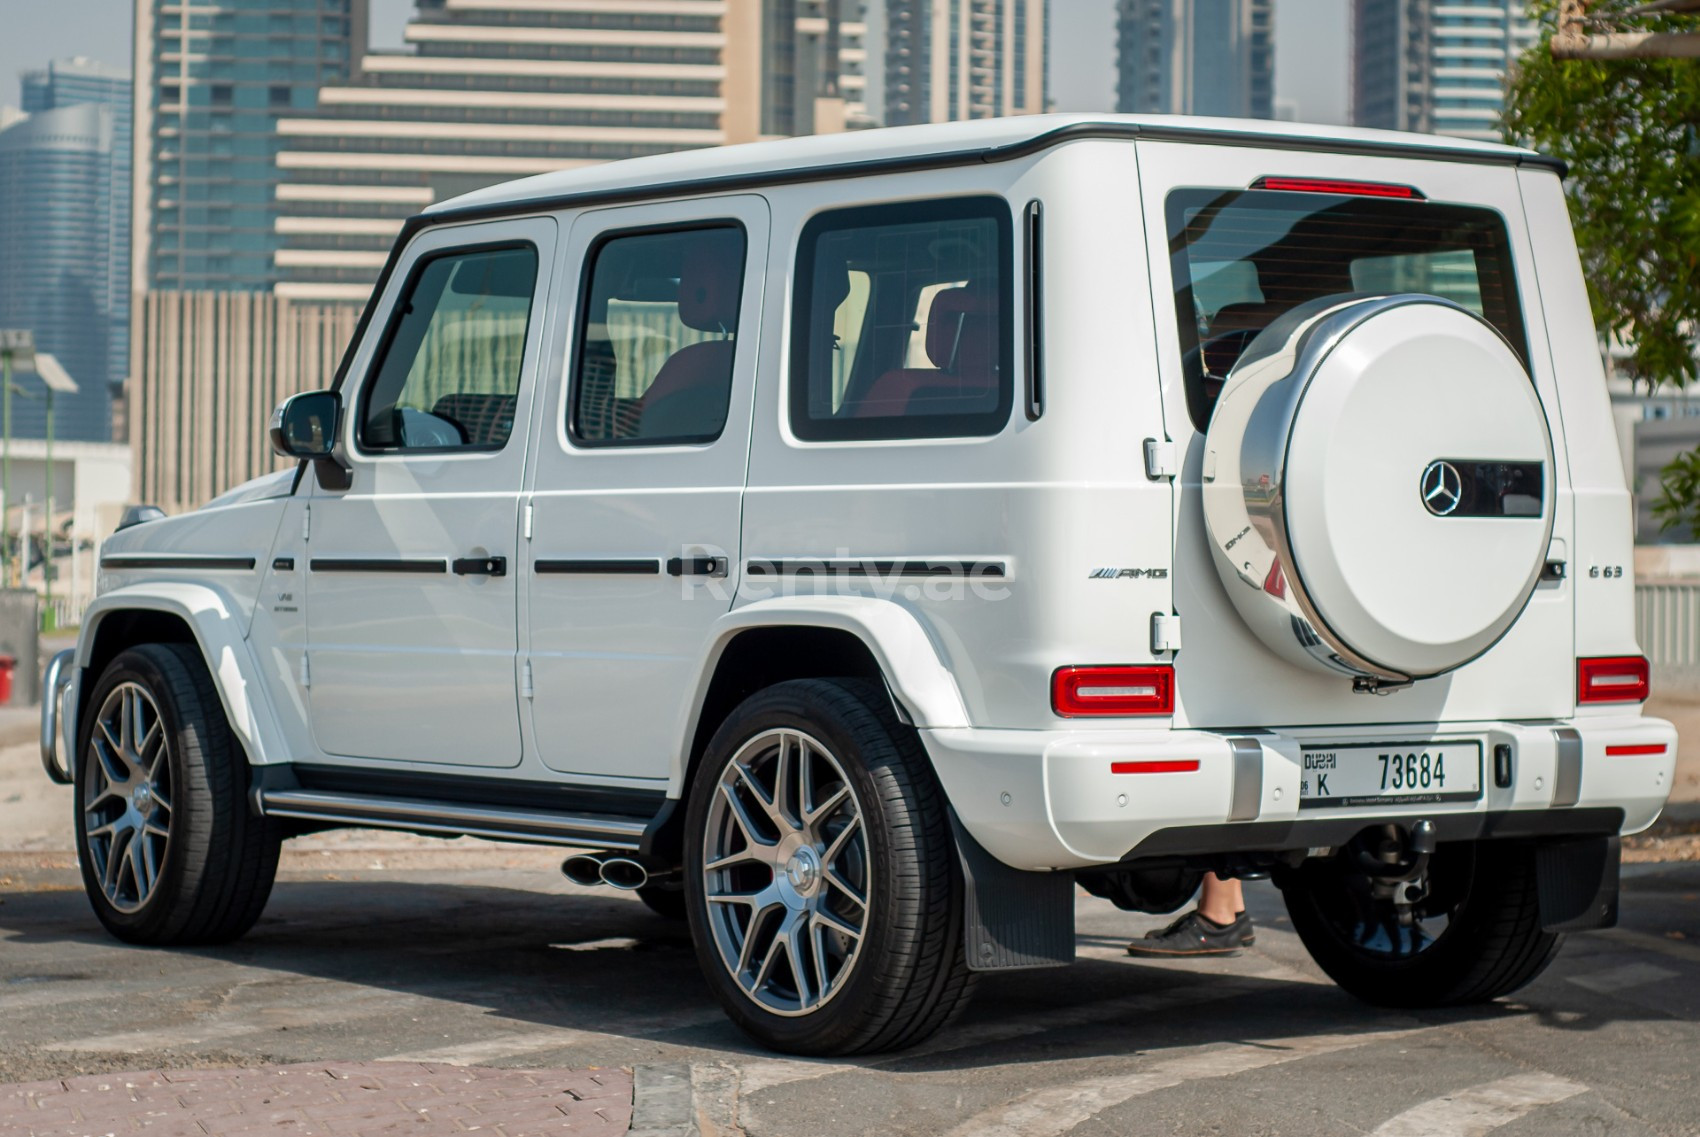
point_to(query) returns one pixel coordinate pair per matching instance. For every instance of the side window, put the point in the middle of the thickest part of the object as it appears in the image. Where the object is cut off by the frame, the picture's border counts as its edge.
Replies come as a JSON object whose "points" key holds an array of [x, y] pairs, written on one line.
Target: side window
{"points": [[657, 335], [903, 322], [449, 374]]}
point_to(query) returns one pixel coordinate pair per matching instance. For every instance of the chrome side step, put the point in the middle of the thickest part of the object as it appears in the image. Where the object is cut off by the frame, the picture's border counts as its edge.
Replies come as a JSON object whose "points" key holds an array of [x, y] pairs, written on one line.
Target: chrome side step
{"points": [[493, 822]]}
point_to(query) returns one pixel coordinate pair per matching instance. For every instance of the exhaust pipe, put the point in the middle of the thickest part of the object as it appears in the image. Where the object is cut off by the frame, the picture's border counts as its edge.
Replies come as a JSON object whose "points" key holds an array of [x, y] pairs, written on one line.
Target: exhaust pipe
{"points": [[623, 872], [584, 869]]}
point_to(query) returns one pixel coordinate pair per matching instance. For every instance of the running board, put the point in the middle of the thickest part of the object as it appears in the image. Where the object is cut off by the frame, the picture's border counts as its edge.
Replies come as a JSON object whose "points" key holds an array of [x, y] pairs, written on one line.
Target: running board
{"points": [[420, 816]]}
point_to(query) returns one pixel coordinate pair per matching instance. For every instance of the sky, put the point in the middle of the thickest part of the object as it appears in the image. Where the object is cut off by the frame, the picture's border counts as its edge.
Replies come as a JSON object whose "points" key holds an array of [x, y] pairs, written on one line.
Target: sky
{"points": [[1311, 44]]}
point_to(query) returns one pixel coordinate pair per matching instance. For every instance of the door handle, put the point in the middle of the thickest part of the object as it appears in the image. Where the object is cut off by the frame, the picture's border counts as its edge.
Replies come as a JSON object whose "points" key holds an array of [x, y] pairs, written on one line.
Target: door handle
{"points": [[697, 566], [481, 566]]}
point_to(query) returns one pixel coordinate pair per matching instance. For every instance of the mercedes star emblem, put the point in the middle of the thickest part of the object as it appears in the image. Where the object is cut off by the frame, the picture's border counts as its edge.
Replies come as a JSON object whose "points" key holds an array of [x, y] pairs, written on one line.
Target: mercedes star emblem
{"points": [[1442, 488]]}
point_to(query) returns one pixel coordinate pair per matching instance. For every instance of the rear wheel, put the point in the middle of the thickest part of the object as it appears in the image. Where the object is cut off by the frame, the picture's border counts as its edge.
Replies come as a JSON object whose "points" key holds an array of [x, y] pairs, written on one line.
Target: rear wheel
{"points": [[1474, 936], [170, 852], [822, 882]]}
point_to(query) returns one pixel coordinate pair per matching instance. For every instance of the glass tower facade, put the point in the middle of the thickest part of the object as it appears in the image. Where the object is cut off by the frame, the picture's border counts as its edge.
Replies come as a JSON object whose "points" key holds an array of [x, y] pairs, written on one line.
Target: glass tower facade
{"points": [[213, 79], [1437, 67], [62, 271]]}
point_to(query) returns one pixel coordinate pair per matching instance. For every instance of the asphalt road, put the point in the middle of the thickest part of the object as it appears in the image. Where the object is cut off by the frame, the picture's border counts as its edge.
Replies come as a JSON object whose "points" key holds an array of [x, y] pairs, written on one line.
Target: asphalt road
{"points": [[483, 955]]}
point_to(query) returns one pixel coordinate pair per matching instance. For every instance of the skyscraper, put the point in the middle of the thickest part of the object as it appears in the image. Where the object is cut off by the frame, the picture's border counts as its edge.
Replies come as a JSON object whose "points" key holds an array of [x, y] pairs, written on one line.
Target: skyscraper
{"points": [[60, 224], [1203, 57], [73, 82], [1417, 65], [497, 89], [212, 79], [947, 60]]}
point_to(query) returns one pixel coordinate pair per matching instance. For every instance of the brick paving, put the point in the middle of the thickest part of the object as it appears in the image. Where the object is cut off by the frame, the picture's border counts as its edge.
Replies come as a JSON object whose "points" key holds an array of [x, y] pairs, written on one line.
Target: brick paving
{"points": [[337, 1099]]}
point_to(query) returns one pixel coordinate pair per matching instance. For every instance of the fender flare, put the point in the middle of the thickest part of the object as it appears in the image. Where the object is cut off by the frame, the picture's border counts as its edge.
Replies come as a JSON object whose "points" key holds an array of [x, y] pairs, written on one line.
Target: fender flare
{"points": [[907, 656], [219, 628]]}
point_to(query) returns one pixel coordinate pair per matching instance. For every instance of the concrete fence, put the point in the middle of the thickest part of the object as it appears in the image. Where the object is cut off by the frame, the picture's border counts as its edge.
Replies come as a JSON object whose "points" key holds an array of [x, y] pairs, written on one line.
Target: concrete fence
{"points": [[1667, 624]]}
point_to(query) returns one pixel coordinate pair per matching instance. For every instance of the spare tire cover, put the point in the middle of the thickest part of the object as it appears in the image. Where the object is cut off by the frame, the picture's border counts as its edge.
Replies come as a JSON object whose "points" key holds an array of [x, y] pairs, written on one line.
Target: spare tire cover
{"points": [[1378, 486]]}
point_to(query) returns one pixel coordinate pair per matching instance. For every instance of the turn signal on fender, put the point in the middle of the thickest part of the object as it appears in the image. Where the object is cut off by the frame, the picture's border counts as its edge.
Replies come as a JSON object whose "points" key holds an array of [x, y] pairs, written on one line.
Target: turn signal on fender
{"points": [[1141, 689]]}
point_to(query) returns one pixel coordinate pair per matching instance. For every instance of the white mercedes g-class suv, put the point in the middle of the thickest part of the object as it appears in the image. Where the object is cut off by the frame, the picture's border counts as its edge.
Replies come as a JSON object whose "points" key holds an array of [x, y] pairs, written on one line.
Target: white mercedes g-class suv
{"points": [[853, 543]]}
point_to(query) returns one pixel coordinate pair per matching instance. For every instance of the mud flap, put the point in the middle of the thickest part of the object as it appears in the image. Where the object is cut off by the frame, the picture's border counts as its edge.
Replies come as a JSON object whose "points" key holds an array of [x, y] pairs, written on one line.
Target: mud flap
{"points": [[1012, 920], [1576, 882]]}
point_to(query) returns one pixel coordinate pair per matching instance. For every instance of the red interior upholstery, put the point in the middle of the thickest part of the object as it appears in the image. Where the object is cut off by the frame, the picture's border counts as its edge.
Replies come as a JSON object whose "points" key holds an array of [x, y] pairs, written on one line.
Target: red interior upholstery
{"points": [[962, 343], [698, 373]]}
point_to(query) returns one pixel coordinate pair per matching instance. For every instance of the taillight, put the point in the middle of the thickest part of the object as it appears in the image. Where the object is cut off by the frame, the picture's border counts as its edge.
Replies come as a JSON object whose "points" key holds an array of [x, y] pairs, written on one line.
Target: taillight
{"points": [[1615, 679], [1142, 689]]}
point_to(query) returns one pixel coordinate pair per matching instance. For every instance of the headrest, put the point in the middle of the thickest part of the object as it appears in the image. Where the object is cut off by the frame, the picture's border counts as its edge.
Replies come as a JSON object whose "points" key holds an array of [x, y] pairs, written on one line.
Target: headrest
{"points": [[710, 281], [1245, 315], [962, 330]]}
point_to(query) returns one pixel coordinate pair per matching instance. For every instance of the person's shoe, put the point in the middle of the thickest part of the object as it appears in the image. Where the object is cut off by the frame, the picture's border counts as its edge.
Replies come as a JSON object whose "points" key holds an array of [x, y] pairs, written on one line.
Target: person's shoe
{"points": [[1196, 934]]}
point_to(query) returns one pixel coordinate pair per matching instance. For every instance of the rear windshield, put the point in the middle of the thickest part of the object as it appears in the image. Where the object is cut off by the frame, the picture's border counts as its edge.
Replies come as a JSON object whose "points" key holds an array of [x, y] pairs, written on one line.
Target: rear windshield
{"points": [[1241, 258]]}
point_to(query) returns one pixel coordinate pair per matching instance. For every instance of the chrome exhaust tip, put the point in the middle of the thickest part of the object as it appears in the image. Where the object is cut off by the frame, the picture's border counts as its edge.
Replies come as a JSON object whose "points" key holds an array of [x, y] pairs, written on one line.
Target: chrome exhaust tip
{"points": [[623, 872], [584, 869]]}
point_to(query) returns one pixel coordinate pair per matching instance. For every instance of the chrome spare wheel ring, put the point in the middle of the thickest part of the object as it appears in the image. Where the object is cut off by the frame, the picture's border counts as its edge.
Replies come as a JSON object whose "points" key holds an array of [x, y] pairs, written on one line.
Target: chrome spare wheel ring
{"points": [[127, 796], [786, 872]]}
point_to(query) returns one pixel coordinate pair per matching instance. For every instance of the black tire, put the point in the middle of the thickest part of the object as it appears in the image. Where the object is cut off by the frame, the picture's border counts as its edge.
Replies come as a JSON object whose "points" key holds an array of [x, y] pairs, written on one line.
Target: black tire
{"points": [[911, 977], [1491, 945], [668, 903], [219, 859]]}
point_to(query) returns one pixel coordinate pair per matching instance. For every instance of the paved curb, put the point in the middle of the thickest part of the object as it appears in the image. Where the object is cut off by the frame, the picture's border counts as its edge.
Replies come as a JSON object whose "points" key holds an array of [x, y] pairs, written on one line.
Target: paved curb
{"points": [[663, 1103]]}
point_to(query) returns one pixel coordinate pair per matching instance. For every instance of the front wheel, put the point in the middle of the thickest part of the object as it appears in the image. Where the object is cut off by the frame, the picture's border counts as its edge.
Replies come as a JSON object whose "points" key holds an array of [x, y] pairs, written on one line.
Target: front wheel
{"points": [[1474, 935], [170, 853], [821, 877]]}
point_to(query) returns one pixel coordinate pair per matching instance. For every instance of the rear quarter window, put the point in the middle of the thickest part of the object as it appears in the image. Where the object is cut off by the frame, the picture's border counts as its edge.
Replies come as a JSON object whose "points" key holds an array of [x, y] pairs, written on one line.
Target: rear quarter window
{"points": [[1241, 258], [903, 322]]}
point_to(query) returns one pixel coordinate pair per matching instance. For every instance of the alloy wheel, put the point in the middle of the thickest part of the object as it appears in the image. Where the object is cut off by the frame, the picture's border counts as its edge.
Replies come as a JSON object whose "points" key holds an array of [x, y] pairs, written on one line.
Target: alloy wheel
{"points": [[127, 796], [786, 872]]}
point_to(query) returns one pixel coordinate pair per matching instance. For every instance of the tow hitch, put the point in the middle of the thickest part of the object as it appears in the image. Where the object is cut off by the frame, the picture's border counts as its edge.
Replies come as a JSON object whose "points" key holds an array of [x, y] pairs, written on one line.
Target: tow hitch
{"points": [[1396, 862]]}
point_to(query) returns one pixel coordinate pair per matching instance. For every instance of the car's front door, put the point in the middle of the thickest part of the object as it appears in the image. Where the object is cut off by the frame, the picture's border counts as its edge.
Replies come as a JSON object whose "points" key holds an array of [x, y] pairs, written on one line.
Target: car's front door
{"points": [[638, 478], [412, 599]]}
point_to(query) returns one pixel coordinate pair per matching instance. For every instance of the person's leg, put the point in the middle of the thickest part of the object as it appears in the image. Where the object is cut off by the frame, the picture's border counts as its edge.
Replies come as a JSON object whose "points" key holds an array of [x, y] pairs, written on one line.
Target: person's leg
{"points": [[1221, 901], [1217, 926]]}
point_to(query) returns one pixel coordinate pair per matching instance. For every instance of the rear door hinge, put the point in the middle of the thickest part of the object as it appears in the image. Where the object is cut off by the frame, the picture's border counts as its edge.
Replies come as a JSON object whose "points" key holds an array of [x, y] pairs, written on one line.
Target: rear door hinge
{"points": [[1165, 633], [306, 522], [528, 511], [306, 672], [1159, 459], [525, 687]]}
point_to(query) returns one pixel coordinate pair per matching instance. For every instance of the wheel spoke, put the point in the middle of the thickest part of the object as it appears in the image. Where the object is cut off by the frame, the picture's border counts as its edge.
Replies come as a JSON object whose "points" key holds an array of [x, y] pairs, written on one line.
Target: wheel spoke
{"points": [[741, 817], [825, 808], [785, 778], [147, 865], [767, 804], [106, 830], [843, 839], [156, 829], [817, 945], [112, 767], [744, 856], [836, 879], [830, 919], [795, 957], [115, 856]]}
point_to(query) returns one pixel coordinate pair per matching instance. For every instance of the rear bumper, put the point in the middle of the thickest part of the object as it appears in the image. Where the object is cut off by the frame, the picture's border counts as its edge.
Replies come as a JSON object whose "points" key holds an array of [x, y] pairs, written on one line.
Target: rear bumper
{"points": [[1051, 799]]}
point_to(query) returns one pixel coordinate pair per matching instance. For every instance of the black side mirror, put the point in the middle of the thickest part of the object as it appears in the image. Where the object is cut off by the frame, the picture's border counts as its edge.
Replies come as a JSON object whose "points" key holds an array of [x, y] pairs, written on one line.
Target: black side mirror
{"points": [[304, 427]]}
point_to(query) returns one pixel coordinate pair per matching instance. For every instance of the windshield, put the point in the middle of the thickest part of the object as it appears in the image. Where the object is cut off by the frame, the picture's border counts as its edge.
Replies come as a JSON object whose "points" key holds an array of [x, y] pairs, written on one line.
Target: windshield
{"points": [[1243, 257]]}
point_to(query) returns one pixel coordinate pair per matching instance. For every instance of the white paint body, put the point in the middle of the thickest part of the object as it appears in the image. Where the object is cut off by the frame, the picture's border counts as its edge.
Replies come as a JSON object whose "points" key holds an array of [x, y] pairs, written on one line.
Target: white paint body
{"points": [[598, 682]]}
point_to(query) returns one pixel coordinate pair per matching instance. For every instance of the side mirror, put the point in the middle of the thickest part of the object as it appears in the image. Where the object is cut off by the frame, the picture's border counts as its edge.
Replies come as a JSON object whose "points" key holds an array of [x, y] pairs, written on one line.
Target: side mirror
{"points": [[304, 426]]}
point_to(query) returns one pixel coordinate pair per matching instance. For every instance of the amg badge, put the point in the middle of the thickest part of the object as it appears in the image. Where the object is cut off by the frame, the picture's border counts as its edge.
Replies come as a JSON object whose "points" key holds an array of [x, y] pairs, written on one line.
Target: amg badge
{"points": [[1128, 573]]}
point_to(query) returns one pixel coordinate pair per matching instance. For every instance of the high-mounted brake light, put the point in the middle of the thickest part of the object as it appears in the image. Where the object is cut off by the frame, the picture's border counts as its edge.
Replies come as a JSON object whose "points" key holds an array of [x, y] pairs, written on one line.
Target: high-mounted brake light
{"points": [[1339, 186], [1614, 679], [1143, 689]]}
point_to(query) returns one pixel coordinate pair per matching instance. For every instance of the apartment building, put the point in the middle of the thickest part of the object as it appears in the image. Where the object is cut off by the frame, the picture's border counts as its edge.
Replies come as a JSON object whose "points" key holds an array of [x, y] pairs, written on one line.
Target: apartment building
{"points": [[495, 89], [1436, 67], [1204, 57], [948, 60]]}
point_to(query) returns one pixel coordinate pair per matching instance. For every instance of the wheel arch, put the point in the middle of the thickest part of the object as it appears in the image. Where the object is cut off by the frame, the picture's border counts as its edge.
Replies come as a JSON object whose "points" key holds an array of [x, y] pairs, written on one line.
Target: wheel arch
{"points": [[186, 614], [768, 642]]}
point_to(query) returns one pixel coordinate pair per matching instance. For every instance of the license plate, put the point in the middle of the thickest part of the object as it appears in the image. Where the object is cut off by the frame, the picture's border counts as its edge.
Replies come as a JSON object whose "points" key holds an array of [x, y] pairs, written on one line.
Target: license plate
{"points": [[1403, 773]]}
